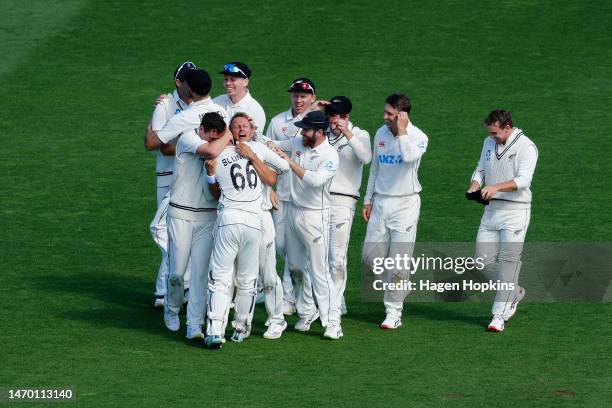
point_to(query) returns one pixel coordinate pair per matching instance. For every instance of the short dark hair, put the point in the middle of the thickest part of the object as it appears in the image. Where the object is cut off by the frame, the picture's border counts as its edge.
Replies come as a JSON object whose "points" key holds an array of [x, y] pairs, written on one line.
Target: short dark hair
{"points": [[399, 101], [241, 115], [499, 115], [213, 121]]}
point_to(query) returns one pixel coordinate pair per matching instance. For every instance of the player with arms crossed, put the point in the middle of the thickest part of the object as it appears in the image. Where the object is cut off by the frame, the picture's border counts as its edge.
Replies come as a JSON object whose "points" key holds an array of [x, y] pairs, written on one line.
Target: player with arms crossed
{"points": [[392, 202], [171, 104], [239, 173], [282, 127], [313, 164], [505, 168], [354, 150]]}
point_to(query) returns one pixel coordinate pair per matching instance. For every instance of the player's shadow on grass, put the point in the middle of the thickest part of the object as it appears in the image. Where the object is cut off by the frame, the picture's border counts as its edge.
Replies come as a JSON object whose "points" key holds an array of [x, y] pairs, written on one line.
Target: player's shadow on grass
{"points": [[106, 301]]}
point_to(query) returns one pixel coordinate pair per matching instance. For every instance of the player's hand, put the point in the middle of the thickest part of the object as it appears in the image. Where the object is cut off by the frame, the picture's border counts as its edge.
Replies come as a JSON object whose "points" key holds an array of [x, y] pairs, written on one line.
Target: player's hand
{"points": [[343, 126], [488, 192], [282, 154], [402, 122], [252, 122], [211, 166], [367, 210], [245, 150], [317, 105], [160, 99], [274, 199]]}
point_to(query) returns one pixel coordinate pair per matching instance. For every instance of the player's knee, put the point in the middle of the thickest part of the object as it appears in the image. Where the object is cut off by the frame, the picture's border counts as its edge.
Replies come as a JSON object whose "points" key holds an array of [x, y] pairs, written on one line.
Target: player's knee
{"points": [[297, 273], [175, 280]]}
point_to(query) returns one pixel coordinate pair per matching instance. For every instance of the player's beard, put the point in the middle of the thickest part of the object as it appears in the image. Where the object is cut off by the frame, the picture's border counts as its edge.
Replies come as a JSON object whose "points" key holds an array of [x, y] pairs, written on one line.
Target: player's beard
{"points": [[309, 141]]}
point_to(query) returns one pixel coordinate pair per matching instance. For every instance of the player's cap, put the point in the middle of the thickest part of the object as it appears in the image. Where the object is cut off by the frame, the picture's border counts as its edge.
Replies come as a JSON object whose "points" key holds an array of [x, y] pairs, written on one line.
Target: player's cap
{"points": [[236, 69], [181, 70], [302, 85], [199, 81], [313, 120], [339, 105]]}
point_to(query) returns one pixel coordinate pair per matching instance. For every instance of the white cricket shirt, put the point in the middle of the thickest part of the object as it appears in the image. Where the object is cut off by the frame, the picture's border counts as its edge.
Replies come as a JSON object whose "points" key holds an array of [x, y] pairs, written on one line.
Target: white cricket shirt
{"points": [[247, 104], [190, 118], [282, 128], [166, 109], [516, 160], [396, 162], [353, 154], [187, 198], [320, 164]]}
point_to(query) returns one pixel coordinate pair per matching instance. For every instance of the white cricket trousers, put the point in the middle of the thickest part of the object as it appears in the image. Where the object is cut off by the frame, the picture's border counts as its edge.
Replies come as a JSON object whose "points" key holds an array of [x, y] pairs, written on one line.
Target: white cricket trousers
{"points": [[189, 238], [499, 242], [272, 285], [392, 231], [308, 240], [341, 221], [236, 245], [280, 217], [159, 232]]}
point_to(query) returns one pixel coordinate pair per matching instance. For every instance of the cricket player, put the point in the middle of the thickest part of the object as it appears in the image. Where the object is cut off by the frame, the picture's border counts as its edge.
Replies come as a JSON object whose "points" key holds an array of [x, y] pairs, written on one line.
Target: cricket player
{"points": [[392, 203], [238, 98], [313, 164], [174, 103], [354, 150], [505, 169], [241, 170], [282, 127]]}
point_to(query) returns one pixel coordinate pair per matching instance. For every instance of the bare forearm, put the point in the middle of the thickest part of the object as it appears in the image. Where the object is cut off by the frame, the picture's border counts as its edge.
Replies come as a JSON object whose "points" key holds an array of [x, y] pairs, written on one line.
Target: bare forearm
{"points": [[266, 174], [474, 185], [168, 149]]}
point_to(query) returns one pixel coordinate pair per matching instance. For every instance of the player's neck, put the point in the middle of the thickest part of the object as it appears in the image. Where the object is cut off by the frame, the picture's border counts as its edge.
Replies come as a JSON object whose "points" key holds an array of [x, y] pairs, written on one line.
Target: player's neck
{"points": [[238, 96]]}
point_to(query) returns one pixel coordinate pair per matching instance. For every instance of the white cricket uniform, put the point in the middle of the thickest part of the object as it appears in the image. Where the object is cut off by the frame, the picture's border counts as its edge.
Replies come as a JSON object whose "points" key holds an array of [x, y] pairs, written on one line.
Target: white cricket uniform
{"points": [[237, 237], [191, 218], [393, 190], [164, 169], [505, 220], [247, 104], [190, 118], [282, 128], [307, 238], [344, 191]]}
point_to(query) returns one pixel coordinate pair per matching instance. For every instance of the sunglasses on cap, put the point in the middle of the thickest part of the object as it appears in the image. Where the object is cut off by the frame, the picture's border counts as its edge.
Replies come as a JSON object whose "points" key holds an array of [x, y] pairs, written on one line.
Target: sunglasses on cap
{"points": [[234, 69], [184, 65]]}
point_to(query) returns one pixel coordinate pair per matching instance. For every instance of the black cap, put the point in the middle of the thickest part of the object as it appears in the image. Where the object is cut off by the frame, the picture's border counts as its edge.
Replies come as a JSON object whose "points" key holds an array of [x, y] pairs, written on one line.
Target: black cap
{"points": [[339, 105], [302, 85], [313, 120], [199, 81], [237, 69], [181, 70]]}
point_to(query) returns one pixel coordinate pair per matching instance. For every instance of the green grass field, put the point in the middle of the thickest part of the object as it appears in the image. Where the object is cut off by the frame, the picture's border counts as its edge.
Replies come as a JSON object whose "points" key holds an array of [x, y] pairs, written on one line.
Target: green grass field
{"points": [[77, 84]]}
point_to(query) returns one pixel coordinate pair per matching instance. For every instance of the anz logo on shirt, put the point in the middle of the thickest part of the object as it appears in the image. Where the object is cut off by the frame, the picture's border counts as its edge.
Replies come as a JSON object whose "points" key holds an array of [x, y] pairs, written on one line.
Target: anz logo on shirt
{"points": [[390, 159]]}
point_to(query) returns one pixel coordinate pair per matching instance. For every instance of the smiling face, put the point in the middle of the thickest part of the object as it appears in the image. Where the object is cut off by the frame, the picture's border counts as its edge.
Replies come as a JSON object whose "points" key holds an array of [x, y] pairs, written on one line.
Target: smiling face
{"points": [[499, 134], [300, 101], [390, 117], [235, 87], [241, 129], [333, 122]]}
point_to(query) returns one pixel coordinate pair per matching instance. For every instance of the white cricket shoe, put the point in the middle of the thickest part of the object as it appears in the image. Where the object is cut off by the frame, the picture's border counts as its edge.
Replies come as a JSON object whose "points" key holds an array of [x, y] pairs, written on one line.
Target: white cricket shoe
{"points": [[214, 342], [343, 310], [241, 332], [171, 320], [304, 323], [194, 332], [333, 332], [497, 324], [391, 322], [514, 305], [275, 331], [288, 308], [159, 302]]}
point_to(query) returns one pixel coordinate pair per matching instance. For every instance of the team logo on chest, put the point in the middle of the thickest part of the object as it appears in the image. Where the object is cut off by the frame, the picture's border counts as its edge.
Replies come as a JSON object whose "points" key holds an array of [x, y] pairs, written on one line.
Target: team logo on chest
{"points": [[381, 143], [298, 153]]}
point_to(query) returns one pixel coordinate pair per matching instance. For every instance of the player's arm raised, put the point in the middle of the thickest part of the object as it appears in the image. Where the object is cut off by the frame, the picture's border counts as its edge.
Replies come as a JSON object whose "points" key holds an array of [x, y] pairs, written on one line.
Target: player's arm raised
{"points": [[214, 148], [210, 182], [411, 147], [266, 174]]}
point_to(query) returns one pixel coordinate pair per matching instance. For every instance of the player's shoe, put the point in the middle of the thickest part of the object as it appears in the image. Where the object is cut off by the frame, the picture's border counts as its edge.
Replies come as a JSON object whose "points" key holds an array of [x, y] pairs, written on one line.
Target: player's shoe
{"points": [[214, 342], [304, 323], [241, 332], [514, 305], [275, 331], [185, 301], [391, 322], [194, 332], [333, 332], [288, 308], [497, 324], [171, 320], [343, 309], [158, 302]]}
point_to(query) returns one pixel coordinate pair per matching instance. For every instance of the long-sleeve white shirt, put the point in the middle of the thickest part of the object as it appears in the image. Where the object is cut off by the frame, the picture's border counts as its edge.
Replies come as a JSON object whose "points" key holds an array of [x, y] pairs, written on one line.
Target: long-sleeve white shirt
{"points": [[395, 164], [515, 160], [189, 119], [320, 165], [353, 155], [247, 104], [164, 111]]}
